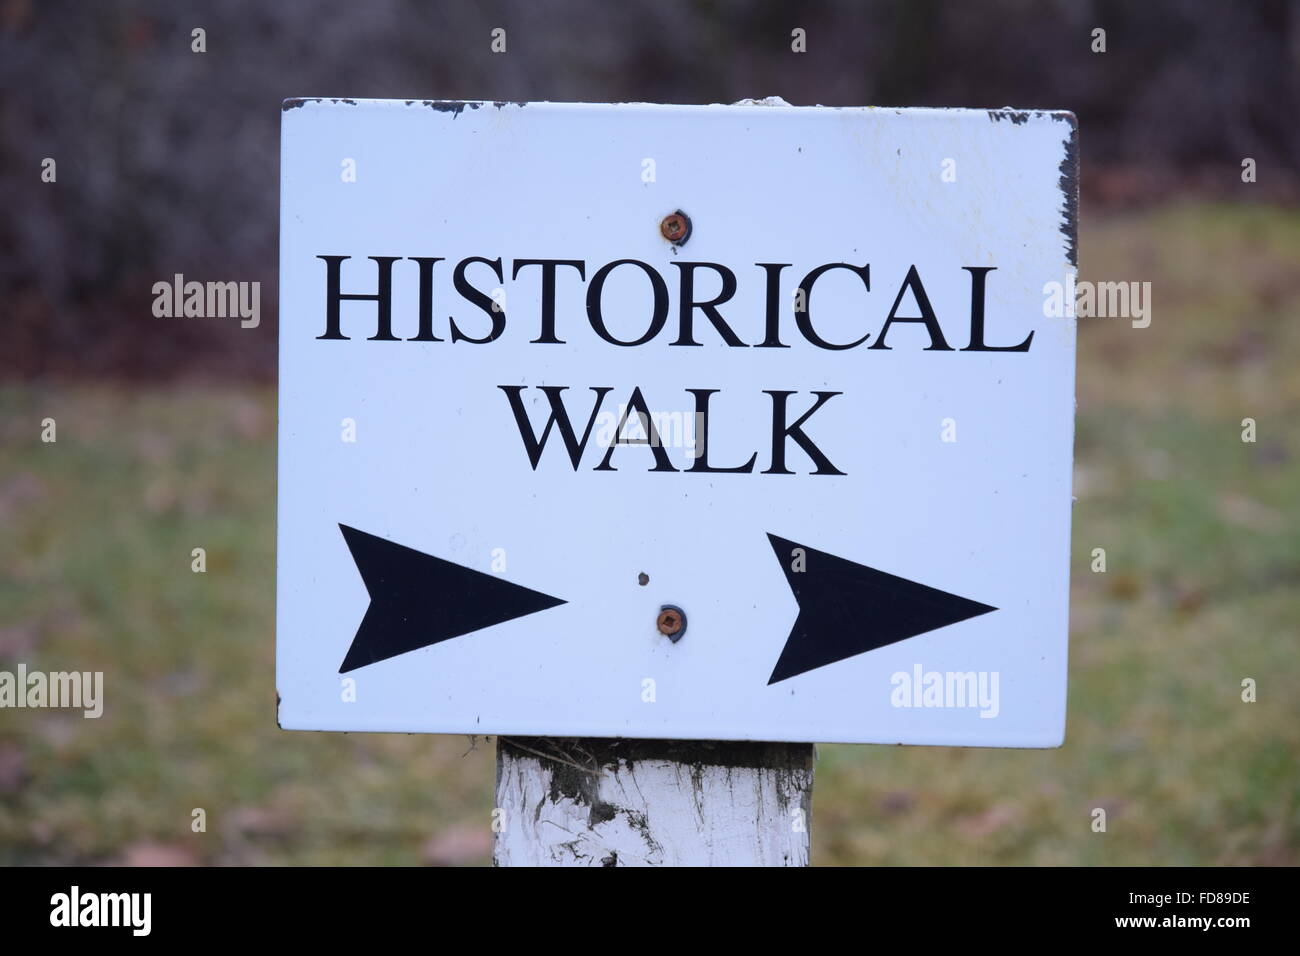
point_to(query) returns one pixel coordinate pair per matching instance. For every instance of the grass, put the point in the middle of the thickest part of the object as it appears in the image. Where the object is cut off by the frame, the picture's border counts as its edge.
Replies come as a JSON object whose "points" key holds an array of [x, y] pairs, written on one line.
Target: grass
{"points": [[1202, 542]]}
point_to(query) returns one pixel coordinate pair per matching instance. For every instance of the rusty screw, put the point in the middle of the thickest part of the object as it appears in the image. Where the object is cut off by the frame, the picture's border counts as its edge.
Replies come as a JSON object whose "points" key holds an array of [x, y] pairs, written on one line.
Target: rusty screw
{"points": [[676, 227], [671, 622]]}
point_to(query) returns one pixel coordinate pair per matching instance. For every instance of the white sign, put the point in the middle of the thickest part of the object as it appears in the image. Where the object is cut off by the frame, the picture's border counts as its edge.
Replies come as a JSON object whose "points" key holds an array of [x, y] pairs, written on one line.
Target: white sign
{"points": [[722, 422]]}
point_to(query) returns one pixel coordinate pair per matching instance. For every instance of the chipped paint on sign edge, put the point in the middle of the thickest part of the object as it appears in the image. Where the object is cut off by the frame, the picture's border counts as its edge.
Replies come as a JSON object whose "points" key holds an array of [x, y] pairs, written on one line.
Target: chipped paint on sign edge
{"points": [[1070, 187], [454, 107]]}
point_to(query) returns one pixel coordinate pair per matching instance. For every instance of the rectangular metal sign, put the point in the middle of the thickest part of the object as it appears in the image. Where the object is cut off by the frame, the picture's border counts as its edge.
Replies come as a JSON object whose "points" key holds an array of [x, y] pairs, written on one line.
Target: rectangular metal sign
{"points": [[717, 422]]}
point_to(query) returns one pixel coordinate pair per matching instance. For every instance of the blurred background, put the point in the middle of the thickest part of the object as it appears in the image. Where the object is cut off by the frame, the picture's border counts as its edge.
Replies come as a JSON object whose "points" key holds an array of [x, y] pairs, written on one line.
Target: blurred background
{"points": [[167, 162]]}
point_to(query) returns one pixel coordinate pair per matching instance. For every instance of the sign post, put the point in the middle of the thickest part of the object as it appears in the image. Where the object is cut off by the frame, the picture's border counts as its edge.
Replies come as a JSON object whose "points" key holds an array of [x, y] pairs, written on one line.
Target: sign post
{"points": [[645, 436], [599, 802]]}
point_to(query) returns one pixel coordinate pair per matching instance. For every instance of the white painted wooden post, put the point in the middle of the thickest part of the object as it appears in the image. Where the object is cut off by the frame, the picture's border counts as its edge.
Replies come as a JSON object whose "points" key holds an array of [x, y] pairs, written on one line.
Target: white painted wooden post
{"points": [[619, 802]]}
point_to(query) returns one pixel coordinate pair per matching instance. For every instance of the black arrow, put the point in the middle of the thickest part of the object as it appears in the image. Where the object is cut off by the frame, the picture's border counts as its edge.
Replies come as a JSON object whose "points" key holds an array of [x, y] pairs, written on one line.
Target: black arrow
{"points": [[846, 609], [417, 599]]}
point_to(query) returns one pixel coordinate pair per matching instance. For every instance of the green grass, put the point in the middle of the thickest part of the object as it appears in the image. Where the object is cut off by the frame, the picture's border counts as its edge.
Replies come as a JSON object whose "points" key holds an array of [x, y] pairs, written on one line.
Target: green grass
{"points": [[1202, 589]]}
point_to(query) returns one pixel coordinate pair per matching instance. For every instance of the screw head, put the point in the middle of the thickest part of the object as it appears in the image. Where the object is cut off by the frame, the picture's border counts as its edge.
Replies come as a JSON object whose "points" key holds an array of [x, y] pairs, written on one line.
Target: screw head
{"points": [[676, 227], [671, 622]]}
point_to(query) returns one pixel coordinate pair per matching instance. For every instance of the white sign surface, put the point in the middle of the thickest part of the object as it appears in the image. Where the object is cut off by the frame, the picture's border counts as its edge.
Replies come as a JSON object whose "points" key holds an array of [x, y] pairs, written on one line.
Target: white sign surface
{"points": [[547, 370]]}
